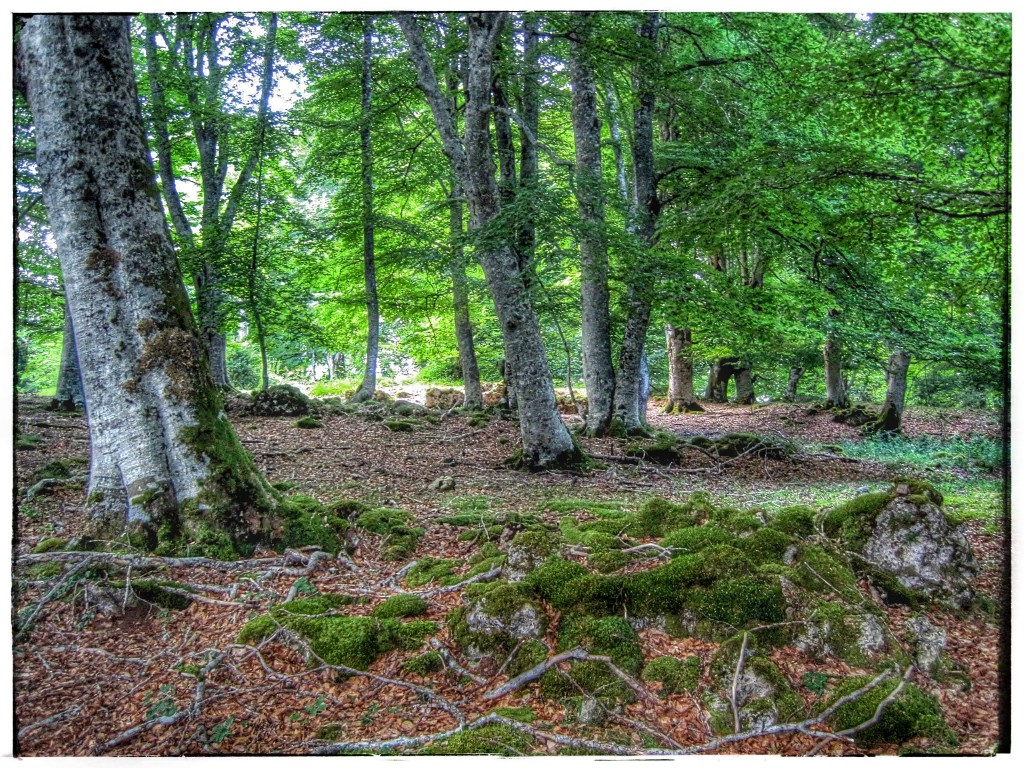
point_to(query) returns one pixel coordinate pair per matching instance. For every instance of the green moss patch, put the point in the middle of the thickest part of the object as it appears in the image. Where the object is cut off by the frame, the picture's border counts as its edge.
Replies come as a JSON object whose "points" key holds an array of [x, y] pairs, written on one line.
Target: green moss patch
{"points": [[430, 569], [351, 641], [308, 422], [401, 606], [306, 522], [491, 739], [913, 714], [400, 539], [675, 675], [51, 544], [795, 520]]}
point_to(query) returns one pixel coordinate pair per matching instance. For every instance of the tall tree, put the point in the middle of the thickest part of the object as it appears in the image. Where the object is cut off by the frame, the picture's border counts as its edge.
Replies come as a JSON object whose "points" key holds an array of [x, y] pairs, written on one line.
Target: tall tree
{"points": [[164, 459], [598, 372], [69, 379], [368, 385], [194, 60], [546, 442]]}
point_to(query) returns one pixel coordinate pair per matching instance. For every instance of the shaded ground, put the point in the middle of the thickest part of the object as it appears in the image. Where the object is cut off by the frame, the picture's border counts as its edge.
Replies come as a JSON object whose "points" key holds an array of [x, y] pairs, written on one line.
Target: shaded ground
{"points": [[83, 681]]}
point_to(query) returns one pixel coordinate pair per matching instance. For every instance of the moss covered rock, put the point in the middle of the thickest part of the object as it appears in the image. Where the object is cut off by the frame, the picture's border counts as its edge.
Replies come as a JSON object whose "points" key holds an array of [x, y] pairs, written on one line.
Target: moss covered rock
{"points": [[280, 400], [674, 675], [763, 696], [913, 714]]}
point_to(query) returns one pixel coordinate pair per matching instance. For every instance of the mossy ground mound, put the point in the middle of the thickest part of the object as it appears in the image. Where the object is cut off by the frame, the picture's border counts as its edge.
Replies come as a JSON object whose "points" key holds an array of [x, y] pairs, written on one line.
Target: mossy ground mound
{"points": [[280, 400], [400, 538], [914, 714], [350, 641]]}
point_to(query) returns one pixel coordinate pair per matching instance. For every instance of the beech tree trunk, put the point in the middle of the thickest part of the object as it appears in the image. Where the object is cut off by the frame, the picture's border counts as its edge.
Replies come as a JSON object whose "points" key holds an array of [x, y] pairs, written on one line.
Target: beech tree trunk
{"points": [[744, 385], [546, 441], [473, 391], [835, 387], [723, 369], [368, 386], [794, 381], [69, 379], [630, 406], [198, 68], [161, 447], [890, 421], [598, 373], [681, 398]]}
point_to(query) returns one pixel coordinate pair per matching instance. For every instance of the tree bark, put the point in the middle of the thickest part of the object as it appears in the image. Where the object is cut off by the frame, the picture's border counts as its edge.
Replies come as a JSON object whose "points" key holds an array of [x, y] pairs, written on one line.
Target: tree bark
{"points": [[723, 369], [630, 405], [546, 441], [890, 421], [598, 372], [835, 388], [161, 447], [202, 74], [472, 389], [744, 385], [69, 379], [681, 398], [794, 381], [368, 386]]}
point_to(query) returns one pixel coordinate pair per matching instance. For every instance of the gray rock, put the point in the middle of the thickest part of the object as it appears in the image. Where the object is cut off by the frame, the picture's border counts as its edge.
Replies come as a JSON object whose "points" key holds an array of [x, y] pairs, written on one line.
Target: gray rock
{"points": [[916, 544], [591, 712], [929, 643], [525, 622], [444, 483]]}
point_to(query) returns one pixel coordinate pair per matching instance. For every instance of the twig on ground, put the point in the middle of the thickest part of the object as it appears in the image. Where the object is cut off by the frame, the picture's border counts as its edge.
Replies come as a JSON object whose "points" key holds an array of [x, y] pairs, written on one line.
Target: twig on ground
{"points": [[26, 625], [451, 662], [65, 714]]}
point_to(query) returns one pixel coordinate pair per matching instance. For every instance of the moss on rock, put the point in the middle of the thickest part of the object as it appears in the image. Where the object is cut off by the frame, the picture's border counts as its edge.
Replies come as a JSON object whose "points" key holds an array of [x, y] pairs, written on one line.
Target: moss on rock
{"points": [[795, 520], [911, 715], [401, 606], [675, 675]]}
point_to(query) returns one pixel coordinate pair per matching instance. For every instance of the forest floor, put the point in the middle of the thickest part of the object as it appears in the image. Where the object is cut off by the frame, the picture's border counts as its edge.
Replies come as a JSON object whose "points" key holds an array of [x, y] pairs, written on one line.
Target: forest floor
{"points": [[88, 684]]}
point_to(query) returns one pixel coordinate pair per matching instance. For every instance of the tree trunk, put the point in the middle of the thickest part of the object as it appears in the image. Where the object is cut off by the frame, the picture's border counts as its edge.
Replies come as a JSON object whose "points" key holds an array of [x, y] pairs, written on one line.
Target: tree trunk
{"points": [[546, 441], [744, 385], [722, 370], [890, 421], [69, 379], [598, 373], [835, 388], [472, 389], [681, 398], [368, 386], [161, 448], [794, 380], [630, 405]]}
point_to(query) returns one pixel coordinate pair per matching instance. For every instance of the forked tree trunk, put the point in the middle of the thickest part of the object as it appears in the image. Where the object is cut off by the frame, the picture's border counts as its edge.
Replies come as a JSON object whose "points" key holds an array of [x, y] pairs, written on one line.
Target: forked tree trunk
{"points": [[546, 441], [368, 386], [723, 369], [835, 387], [69, 379], [890, 421], [681, 398], [598, 373], [163, 456], [794, 381]]}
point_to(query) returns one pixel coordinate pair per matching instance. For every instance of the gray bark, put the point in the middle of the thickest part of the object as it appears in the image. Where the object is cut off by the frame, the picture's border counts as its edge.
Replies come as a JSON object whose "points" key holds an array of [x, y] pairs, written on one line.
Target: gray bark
{"points": [[835, 388], [546, 441], [202, 74], [794, 381], [158, 435], [722, 370], [472, 388], [368, 386], [891, 419], [598, 372], [744, 385], [681, 398], [69, 380], [630, 407]]}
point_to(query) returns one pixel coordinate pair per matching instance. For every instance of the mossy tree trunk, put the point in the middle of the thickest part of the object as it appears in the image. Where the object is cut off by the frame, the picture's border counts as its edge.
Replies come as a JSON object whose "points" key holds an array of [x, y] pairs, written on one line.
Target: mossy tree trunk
{"points": [[681, 398], [890, 421], [69, 380], [164, 459]]}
